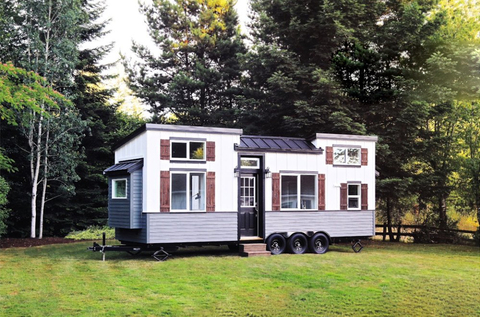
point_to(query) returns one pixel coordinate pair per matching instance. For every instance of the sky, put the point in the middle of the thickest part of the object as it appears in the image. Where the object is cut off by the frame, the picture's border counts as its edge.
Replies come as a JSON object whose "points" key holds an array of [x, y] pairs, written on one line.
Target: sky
{"points": [[128, 24]]}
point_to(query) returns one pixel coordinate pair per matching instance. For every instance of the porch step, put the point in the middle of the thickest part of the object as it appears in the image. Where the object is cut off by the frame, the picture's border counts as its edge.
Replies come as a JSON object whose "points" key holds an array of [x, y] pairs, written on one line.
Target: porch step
{"points": [[254, 249]]}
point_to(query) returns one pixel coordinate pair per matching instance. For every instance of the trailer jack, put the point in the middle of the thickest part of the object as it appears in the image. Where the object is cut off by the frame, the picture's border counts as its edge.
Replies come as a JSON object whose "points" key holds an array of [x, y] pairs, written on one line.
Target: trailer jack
{"points": [[357, 246]]}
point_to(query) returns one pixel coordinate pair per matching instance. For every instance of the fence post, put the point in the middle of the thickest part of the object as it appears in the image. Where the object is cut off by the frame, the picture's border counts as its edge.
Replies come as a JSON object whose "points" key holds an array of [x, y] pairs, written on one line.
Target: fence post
{"points": [[399, 229], [384, 231]]}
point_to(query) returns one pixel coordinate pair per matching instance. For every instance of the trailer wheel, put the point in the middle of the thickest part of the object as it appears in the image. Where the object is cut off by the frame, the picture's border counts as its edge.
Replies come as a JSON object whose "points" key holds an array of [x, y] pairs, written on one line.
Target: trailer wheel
{"points": [[297, 243], [319, 243], [276, 244]]}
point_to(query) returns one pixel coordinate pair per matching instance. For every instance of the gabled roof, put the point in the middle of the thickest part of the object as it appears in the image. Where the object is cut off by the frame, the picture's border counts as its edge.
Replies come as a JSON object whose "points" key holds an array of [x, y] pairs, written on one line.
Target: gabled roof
{"points": [[125, 167], [276, 144]]}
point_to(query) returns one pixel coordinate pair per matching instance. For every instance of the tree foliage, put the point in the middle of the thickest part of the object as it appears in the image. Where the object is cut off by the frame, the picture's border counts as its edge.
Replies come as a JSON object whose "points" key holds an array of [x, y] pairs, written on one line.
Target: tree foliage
{"points": [[194, 79]]}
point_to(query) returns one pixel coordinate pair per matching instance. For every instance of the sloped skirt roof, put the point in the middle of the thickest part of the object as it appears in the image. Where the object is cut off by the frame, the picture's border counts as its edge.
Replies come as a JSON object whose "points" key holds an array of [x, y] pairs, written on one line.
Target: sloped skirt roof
{"points": [[124, 167]]}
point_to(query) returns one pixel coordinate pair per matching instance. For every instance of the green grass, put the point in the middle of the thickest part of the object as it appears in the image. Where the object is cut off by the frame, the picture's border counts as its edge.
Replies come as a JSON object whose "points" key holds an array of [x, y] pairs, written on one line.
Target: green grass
{"points": [[383, 280]]}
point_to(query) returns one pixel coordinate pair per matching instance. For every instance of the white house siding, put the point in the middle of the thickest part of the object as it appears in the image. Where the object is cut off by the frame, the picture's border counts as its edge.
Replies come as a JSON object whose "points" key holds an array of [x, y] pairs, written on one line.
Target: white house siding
{"points": [[223, 166], [290, 162], [192, 227], [336, 175], [336, 224]]}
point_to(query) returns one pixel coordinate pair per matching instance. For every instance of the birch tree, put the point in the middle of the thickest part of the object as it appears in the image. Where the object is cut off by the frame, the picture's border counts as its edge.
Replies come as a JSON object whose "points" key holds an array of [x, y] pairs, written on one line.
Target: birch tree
{"points": [[49, 33]]}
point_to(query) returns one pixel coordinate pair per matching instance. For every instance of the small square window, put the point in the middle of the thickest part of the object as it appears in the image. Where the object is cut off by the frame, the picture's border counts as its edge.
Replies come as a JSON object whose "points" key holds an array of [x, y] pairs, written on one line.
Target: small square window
{"points": [[119, 189], [179, 150], [197, 150]]}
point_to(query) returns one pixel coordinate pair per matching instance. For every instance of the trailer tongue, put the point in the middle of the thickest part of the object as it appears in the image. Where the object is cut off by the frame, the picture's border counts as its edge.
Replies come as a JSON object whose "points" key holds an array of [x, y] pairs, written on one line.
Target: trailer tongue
{"points": [[159, 252]]}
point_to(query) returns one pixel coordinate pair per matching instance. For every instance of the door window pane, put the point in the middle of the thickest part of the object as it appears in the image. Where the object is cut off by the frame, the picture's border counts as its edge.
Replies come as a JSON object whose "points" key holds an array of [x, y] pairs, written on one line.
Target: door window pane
{"points": [[289, 191], [179, 191], [247, 192], [197, 191], [307, 192]]}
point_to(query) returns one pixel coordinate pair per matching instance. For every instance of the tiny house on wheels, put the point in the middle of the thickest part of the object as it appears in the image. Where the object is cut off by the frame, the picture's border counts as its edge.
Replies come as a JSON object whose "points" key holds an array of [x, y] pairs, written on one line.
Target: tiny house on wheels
{"points": [[177, 185]]}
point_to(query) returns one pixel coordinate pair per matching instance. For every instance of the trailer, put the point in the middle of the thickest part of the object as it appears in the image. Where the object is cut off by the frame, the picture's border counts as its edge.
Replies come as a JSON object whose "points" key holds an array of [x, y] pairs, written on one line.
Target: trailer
{"points": [[174, 185]]}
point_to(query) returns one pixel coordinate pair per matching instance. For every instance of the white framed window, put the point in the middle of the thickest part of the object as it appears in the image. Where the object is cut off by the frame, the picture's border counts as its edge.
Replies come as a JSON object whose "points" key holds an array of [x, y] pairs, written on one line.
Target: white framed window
{"points": [[346, 156], [187, 191], [119, 188], [353, 197], [298, 192], [250, 162], [188, 150]]}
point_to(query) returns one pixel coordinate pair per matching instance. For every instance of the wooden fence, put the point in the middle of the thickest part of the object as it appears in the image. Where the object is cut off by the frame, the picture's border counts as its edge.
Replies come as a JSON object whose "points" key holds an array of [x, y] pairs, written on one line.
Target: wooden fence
{"points": [[399, 231]]}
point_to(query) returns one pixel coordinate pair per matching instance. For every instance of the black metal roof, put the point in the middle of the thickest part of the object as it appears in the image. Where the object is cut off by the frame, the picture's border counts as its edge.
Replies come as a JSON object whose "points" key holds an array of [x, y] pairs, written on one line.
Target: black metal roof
{"points": [[125, 166], [276, 144]]}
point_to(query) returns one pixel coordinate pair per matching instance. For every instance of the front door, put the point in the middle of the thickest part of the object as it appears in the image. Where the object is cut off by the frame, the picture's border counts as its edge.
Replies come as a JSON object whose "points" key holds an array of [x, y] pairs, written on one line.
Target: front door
{"points": [[248, 214]]}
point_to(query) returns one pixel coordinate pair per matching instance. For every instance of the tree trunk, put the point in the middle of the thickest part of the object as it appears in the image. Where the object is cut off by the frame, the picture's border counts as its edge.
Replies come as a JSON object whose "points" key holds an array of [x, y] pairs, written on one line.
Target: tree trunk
{"points": [[47, 128], [35, 152], [442, 210], [389, 221], [45, 178]]}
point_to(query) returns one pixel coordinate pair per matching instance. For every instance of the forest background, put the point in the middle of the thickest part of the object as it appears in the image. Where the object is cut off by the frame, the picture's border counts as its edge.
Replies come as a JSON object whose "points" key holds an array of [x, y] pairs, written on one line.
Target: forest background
{"points": [[406, 71]]}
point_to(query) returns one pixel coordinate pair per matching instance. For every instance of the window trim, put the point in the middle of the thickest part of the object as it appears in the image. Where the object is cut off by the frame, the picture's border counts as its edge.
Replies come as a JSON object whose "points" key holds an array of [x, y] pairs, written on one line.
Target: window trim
{"points": [[358, 196], [346, 148], [299, 192], [114, 188], [187, 173], [188, 142]]}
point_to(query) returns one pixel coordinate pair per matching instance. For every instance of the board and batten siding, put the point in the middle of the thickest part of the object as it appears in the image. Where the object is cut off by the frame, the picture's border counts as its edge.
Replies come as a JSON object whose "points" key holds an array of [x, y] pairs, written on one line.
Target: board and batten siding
{"points": [[192, 227], [119, 209], [335, 223]]}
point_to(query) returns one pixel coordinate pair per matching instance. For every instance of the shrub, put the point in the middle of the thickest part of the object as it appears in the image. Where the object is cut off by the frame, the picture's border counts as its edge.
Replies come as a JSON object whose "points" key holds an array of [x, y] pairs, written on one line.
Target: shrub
{"points": [[92, 233]]}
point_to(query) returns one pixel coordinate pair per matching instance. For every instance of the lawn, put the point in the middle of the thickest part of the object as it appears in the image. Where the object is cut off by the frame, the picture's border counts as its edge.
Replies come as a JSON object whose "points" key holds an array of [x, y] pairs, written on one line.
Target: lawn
{"points": [[385, 279]]}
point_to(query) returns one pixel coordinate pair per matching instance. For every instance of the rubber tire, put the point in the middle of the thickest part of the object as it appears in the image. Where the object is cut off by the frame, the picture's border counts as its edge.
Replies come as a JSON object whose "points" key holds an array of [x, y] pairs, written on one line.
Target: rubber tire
{"points": [[319, 243], [276, 244], [297, 243]]}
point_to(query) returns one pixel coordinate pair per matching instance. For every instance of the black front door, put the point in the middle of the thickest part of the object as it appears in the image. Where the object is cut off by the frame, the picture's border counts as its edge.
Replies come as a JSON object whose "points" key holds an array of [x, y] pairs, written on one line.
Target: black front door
{"points": [[248, 214]]}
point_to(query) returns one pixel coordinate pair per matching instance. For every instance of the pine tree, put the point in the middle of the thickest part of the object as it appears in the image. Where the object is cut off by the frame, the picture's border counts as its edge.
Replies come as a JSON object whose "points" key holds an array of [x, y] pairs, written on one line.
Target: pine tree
{"points": [[290, 88], [195, 78]]}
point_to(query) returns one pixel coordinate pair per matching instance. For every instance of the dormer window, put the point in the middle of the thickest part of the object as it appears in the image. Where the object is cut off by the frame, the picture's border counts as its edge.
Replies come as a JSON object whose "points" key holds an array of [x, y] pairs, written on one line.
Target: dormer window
{"points": [[188, 150]]}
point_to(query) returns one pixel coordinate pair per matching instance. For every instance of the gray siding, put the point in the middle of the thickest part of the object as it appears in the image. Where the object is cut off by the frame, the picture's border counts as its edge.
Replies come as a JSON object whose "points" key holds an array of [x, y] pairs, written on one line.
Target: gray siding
{"points": [[133, 235], [119, 209], [136, 199], [192, 227], [335, 223]]}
